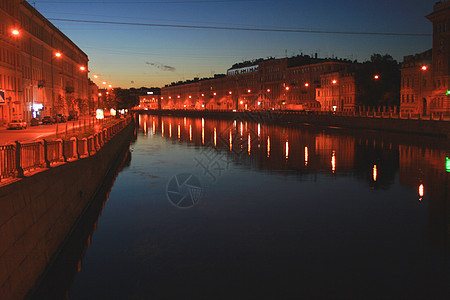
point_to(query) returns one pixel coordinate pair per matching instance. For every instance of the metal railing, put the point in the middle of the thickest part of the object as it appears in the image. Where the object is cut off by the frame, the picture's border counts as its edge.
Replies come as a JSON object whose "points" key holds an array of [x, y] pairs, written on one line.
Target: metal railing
{"points": [[20, 158]]}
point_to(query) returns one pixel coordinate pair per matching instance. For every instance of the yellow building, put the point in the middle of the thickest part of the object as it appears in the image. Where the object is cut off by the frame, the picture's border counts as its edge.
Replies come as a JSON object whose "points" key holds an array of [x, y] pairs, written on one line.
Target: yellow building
{"points": [[42, 71]]}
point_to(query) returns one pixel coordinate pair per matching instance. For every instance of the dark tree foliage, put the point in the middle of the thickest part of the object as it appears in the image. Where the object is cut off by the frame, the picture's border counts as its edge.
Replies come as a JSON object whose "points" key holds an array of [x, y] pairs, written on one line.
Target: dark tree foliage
{"points": [[384, 91], [124, 99]]}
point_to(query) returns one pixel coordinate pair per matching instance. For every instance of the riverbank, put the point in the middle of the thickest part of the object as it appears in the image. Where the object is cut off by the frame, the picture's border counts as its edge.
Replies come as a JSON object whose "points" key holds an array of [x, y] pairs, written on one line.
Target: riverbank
{"points": [[39, 210], [379, 122]]}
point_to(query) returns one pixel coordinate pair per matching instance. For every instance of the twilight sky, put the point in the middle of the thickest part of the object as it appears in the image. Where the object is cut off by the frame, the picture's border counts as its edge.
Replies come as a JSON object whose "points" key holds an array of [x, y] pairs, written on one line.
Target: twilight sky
{"points": [[134, 56]]}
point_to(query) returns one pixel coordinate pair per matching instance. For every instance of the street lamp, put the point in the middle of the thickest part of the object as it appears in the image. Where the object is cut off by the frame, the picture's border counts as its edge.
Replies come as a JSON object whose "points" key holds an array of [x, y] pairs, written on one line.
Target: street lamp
{"points": [[15, 32], [57, 55]]}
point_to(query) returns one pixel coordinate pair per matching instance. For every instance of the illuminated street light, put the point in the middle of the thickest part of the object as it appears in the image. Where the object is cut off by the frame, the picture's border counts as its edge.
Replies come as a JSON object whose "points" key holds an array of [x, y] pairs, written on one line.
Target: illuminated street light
{"points": [[230, 92], [82, 68], [99, 94], [241, 102], [424, 68], [104, 82], [306, 84], [268, 90], [249, 91], [334, 81], [110, 86], [15, 32], [215, 94], [287, 88], [58, 54], [376, 77], [95, 76]]}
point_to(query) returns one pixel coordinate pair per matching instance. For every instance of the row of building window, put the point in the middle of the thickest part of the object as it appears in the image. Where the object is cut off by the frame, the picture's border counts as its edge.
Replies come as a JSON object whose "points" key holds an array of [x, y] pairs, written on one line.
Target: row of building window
{"points": [[7, 83]]}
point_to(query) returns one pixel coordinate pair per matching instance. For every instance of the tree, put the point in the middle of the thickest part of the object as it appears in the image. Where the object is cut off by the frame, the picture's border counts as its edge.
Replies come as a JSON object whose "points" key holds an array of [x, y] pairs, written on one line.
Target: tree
{"points": [[124, 99], [383, 90]]}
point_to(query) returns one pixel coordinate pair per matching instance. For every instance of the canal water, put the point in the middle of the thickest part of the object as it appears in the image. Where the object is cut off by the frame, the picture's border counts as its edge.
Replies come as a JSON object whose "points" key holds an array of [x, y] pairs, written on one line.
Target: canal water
{"points": [[244, 209]]}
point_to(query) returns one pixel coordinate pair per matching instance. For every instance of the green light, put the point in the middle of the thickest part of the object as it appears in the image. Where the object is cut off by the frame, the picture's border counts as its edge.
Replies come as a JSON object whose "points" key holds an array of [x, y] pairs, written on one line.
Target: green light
{"points": [[447, 164], [448, 92]]}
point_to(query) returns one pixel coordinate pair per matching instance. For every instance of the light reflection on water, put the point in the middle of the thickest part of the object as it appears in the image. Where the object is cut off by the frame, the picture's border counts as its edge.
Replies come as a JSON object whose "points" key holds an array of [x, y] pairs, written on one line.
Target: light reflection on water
{"points": [[284, 212]]}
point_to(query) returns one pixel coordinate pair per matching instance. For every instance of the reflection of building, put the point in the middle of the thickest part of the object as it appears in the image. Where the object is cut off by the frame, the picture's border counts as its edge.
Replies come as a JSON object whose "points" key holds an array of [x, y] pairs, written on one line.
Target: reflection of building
{"points": [[426, 76], [425, 170], [43, 71]]}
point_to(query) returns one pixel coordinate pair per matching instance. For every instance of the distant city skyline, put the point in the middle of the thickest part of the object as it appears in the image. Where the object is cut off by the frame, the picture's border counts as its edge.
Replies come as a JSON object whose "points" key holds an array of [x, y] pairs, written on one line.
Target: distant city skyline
{"points": [[148, 54]]}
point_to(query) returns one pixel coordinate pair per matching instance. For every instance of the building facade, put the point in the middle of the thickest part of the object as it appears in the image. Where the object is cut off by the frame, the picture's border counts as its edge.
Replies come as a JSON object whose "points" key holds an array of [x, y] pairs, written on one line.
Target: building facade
{"points": [[425, 87], [42, 71], [282, 84]]}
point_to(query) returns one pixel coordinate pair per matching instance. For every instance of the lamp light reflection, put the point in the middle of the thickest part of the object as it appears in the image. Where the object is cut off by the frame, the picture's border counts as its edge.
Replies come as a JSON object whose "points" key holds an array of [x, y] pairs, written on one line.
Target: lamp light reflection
{"points": [[306, 156], [154, 128], [215, 137], [374, 173], [421, 191], [333, 161], [268, 146], [170, 130], [190, 132], [162, 128], [287, 149], [179, 132], [249, 144], [231, 141]]}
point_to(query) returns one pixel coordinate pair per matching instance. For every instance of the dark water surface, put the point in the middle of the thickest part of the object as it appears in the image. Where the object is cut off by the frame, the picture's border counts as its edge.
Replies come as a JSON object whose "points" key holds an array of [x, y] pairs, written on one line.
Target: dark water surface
{"points": [[213, 209]]}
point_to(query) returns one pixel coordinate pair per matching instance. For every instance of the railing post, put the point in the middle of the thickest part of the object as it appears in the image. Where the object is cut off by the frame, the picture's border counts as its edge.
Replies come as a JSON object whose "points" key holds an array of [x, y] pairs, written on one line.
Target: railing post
{"points": [[77, 151], [64, 146], [18, 162], [47, 162]]}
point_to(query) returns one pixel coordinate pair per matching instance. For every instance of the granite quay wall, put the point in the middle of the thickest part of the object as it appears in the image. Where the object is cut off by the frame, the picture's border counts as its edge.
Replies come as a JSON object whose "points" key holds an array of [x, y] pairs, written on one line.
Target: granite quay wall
{"points": [[383, 121], [38, 211]]}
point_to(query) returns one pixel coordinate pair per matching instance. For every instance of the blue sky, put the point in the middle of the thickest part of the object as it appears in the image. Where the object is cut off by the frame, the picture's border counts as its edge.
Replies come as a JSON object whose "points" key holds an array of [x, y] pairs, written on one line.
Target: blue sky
{"points": [[135, 56]]}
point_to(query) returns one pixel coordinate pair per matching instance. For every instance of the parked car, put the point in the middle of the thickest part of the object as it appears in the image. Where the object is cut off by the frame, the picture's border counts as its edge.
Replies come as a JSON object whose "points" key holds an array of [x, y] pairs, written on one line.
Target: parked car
{"points": [[48, 120], [17, 124], [73, 116], [60, 118], [34, 122]]}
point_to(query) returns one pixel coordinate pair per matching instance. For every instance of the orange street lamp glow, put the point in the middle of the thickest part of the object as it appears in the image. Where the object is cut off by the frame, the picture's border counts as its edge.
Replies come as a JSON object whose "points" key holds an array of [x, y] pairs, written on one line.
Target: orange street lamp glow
{"points": [[287, 88], [190, 97], [15, 32], [99, 94], [230, 92], [203, 95], [376, 77], [110, 86], [58, 54], [249, 91], [215, 94], [306, 84], [424, 68], [268, 90], [95, 76], [104, 82], [334, 81]]}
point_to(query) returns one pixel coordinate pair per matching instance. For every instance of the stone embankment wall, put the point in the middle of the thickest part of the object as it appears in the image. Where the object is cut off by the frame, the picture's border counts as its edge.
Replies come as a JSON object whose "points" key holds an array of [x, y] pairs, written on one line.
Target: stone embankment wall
{"points": [[438, 128], [39, 211]]}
